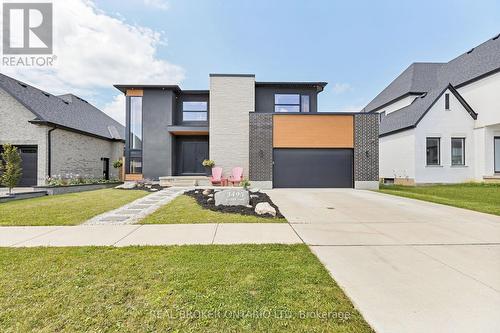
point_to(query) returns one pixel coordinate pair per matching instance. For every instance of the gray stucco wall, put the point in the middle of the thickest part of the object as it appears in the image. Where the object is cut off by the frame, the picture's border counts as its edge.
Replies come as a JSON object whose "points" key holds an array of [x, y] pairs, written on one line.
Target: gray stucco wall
{"points": [[157, 114], [261, 147], [74, 153], [16, 129], [264, 97], [366, 154]]}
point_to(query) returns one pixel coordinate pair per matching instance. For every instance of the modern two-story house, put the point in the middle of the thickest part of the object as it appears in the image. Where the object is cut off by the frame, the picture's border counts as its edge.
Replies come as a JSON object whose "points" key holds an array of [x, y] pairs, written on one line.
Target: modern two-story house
{"points": [[440, 122], [271, 129]]}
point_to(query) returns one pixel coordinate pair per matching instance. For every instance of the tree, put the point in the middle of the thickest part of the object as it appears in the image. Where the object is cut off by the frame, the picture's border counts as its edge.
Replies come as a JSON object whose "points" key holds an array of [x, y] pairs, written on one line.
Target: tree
{"points": [[10, 167]]}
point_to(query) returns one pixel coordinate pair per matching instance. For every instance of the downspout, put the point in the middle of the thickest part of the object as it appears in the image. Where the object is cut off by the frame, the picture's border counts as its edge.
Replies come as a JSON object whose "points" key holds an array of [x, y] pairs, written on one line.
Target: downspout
{"points": [[49, 151]]}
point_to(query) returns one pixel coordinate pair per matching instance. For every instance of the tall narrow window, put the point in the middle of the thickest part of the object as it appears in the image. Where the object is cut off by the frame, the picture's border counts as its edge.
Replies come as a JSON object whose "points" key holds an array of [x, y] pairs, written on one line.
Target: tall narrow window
{"points": [[381, 116], [304, 103], [446, 101], [433, 151], [457, 151], [194, 111], [135, 123]]}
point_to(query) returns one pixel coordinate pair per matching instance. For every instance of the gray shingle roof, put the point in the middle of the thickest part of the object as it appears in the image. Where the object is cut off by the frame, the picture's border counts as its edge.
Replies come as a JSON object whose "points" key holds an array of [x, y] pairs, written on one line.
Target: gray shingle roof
{"points": [[433, 79], [68, 110]]}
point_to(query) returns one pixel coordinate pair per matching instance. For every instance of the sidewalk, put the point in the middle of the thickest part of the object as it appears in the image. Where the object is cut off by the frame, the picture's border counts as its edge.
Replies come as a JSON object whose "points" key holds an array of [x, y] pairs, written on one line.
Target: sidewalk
{"points": [[166, 234]]}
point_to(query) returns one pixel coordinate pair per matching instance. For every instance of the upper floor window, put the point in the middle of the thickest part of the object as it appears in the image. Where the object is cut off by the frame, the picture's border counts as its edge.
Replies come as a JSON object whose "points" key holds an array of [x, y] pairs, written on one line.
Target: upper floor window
{"points": [[433, 147], [291, 103], [135, 125], [194, 111], [381, 116], [446, 101]]}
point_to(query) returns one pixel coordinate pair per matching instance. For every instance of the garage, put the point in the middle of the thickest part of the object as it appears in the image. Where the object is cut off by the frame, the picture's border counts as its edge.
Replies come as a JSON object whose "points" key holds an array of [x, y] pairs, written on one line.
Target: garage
{"points": [[29, 156], [310, 168]]}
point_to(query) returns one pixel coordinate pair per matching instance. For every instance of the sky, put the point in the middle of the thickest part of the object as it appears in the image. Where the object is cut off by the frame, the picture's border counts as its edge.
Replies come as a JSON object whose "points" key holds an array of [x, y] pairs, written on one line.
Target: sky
{"points": [[358, 47]]}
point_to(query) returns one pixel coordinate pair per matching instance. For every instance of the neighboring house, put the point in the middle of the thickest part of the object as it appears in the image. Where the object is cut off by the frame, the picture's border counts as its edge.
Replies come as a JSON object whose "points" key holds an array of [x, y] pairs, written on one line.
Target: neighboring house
{"points": [[271, 129], [57, 135], [440, 122]]}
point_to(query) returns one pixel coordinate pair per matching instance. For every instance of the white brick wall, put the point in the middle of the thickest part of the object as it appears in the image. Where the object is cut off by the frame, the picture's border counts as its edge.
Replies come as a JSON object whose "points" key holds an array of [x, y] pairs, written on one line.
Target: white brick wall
{"points": [[71, 152], [16, 129], [81, 154], [232, 98]]}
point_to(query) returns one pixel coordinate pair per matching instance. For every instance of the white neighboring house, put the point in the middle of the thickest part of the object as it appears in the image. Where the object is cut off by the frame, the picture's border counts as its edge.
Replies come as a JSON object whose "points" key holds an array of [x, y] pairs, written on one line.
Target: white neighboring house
{"points": [[440, 122], [57, 135]]}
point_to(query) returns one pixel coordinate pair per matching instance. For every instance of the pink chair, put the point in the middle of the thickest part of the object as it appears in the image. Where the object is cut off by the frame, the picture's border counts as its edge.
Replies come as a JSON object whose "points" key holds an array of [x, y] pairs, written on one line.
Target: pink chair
{"points": [[236, 176], [216, 177]]}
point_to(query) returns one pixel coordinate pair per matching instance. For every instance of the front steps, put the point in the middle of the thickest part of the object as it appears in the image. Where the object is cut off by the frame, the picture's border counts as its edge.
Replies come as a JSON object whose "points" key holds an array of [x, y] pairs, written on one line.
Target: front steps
{"points": [[184, 181]]}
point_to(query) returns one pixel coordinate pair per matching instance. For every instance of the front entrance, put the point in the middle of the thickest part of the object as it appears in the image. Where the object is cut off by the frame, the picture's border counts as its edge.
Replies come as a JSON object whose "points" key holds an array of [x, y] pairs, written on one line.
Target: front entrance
{"points": [[105, 168], [497, 153], [191, 151]]}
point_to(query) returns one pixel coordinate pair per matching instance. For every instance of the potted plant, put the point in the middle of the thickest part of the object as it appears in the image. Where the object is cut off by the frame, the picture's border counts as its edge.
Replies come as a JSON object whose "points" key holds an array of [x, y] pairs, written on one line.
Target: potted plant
{"points": [[208, 164]]}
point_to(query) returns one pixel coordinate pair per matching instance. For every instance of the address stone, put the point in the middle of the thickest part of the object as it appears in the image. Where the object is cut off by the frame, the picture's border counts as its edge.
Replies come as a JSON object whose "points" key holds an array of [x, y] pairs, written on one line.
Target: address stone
{"points": [[232, 197]]}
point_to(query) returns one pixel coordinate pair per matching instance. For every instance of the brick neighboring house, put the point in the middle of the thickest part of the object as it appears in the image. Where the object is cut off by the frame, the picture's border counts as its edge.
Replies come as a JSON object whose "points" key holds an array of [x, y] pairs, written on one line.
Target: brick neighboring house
{"points": [[57, 135], [271, 129]]}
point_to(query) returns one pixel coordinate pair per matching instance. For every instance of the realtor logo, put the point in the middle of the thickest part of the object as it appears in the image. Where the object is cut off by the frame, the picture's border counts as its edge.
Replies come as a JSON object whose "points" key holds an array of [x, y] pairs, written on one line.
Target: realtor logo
{"points": [[27, 28]]}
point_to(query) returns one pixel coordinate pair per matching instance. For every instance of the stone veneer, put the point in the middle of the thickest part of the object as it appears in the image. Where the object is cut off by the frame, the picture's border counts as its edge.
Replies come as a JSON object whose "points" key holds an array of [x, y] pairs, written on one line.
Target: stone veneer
{"points": [[232, 98], [366, 154]]}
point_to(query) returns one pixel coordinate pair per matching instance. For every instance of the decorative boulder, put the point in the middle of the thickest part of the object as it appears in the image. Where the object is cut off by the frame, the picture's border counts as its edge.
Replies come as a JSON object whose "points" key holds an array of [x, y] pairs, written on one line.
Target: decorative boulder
{"points": [[263, 208], [210, 199], [127, 185], [252, 196], [232, 197], [206, 192], [254, 190]]}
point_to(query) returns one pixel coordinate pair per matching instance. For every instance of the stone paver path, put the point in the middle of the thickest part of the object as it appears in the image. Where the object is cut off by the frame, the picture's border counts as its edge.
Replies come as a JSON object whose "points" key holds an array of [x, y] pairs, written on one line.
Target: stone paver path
{"points": [[136, 210]]}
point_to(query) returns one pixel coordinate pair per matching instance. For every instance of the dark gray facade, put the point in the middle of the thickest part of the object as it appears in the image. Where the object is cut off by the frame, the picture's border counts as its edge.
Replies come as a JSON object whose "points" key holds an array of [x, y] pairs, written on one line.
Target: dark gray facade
{"points": [[190, 96], [157, 111], [366, 153], [264, 97], [261, 146]]}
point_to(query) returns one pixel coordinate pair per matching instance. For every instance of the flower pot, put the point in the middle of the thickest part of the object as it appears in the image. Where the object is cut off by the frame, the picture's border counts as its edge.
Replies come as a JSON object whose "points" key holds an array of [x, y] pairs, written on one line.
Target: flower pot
{"points": [[208, 171]]}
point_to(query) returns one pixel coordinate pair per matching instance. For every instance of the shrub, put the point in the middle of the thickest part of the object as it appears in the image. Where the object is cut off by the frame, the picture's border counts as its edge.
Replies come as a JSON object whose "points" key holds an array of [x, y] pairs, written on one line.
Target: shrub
{"points": [[10, 167], [208, 163], [117, 164], [245, 183]]}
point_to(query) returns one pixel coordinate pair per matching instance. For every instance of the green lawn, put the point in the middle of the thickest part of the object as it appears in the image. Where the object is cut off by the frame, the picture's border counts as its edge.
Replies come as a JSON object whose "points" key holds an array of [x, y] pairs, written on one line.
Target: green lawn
{"points": [[185, 209], [237, 288], [475, 196], [64, 209]]}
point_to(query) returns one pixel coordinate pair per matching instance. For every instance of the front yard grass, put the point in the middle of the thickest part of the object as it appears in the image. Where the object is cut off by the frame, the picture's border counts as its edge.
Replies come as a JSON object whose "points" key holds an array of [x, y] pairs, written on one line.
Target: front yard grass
{"points": [[474, 196], [185, 209], [64, 209], [236, 288]]}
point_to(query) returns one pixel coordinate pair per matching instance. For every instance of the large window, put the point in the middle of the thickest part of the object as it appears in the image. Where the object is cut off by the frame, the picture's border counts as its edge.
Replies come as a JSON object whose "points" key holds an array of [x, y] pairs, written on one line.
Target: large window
{"points": [[194, 111], [433, 151], [135, 123], [291, 103], [457, 151]]}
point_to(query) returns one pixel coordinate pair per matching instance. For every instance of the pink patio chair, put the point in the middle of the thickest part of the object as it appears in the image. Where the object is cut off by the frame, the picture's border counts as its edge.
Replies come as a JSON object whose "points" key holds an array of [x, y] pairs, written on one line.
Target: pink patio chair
{"points": [[236, 176], [216, 177]]}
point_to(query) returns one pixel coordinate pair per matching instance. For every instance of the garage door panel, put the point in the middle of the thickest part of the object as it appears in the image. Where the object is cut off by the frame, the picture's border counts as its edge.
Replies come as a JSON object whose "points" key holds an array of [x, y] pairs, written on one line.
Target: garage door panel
{"points": [[303, 168], [29, 165]]}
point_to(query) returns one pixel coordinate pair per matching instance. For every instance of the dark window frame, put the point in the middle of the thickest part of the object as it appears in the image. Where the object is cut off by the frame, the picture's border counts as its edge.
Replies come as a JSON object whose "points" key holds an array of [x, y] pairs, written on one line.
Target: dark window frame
{"points": [[130, 152], [301, 96], [438, 151], [195, 111], [447, 101], [462, 139], [496, 168]]}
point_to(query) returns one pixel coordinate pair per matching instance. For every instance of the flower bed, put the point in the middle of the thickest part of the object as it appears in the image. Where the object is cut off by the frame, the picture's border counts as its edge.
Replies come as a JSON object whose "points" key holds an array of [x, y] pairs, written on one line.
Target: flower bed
{"points": [[255, 198]]}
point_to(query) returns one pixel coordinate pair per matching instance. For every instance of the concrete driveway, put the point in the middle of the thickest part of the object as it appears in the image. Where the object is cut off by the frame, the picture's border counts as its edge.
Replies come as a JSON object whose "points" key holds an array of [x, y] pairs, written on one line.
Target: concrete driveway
{"points": [[407, 265]]}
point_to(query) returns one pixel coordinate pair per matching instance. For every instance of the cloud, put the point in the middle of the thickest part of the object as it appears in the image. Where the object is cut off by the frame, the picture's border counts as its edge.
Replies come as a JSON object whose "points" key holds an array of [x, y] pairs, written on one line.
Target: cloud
{"points": [[116, 108], [158, 4], [95, 50], [340, 88]]}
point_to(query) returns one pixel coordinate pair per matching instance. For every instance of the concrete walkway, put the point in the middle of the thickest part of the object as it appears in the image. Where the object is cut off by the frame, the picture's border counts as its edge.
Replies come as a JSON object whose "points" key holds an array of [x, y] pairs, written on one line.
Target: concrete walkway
{"points": [[136, 210], [407, 265], [165, 234]]}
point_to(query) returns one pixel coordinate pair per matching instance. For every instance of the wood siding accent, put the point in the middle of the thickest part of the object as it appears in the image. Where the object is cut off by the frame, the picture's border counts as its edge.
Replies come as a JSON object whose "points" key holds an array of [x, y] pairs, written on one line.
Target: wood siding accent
{"points": [[133, 176], [135, 92], [313, 131]]}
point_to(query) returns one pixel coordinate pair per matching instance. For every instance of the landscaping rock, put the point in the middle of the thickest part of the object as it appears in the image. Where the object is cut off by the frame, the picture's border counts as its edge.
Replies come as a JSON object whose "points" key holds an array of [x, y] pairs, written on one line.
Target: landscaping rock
{"points": [[210, 199], [254, 190], [253, 196], [153, 189], [127, 185], [211, 195], [232, 197], [263, 208], [206, 192], [196, 192]]}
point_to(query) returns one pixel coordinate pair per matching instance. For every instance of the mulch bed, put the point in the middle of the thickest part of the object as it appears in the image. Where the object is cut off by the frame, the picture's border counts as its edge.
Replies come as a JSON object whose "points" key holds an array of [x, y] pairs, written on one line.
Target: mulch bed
{"points": [[202, 200]]}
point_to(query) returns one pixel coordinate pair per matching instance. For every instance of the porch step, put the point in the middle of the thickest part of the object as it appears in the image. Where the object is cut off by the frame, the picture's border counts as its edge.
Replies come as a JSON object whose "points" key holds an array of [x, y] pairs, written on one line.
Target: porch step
{"points": [[492, 179], [184, 181]]}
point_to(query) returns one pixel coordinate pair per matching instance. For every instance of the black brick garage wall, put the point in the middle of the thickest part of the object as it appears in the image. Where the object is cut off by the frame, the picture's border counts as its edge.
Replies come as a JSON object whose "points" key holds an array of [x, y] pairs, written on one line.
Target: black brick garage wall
{"points": [[261, 147], [366, 147]]}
